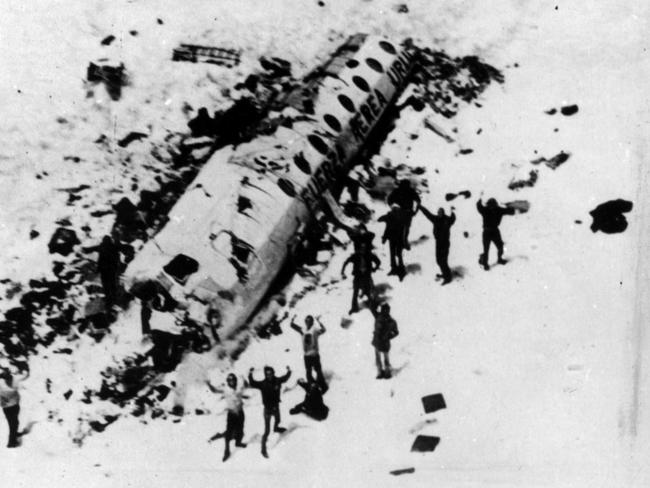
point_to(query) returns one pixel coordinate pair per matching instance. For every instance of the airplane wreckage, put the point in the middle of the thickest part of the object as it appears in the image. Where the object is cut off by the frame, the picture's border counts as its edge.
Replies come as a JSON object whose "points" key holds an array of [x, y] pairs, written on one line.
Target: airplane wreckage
{"points": [[229, 235]]}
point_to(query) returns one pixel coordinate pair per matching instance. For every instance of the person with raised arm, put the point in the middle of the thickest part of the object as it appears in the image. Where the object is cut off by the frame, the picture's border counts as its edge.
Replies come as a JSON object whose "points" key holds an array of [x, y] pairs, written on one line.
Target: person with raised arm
{"points": [[234, 396], [310, 348], [492, 214], [395, 220], [364, 263], [270, 387], [409, 201], [441, 229], [385, 331]]}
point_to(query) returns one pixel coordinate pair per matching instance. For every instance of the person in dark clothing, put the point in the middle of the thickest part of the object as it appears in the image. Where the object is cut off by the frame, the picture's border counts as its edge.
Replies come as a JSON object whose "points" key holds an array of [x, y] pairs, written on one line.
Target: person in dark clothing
{"points": [[202, 124], [408, 199], [312, 405], [270, 388], [492, 214], [385, 330], [441, 226], [360, 236], [234, 397], [364, 263], [109, 266], [310, 346], [394, 234]]}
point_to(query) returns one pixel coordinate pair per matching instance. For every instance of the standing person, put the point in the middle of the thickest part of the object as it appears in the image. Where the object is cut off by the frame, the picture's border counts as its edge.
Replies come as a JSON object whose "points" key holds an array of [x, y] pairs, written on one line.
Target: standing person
{"points": [[270, 388], [310, 347], [395, 221], [109, 266], [10, 403], [408, 199], [234, 397], [360, 236], [492, 214], [364, 263], [313, 404], [385, 331], [441, 226]]}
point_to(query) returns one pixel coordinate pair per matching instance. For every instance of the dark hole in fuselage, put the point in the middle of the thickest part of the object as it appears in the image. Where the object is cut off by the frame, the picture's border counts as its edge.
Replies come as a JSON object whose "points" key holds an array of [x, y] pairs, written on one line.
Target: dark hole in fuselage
{"points": [[346, 103], [318, 143], [375, 65], [287, 187], [361, 83], [387, 46], [333, 122]]}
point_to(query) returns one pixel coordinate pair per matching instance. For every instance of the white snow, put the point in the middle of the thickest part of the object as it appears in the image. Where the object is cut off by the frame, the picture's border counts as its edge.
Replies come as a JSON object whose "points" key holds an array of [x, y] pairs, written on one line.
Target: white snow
{"points": [[542, 362]]}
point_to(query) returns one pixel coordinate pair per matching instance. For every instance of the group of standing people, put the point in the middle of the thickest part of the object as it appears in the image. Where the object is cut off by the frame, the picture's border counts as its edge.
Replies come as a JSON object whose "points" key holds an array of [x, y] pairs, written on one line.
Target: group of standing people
{"points": [[405, 203], [314, 385]]}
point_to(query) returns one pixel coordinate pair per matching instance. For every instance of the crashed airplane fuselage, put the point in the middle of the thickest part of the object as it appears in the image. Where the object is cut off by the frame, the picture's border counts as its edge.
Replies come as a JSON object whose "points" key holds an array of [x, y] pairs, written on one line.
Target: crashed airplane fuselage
{"points": [[230, 233]]}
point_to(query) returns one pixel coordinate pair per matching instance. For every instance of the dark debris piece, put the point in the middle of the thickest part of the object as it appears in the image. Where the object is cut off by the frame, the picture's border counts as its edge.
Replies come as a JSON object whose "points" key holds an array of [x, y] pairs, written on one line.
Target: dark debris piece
{"points": [[529, 182], [425, 443], [553, 163], [397, 472], [569, 110], [608, 217], [451, 196], [433, 403], [130, 137], [520, 206], [63, 241], [107, 40]]}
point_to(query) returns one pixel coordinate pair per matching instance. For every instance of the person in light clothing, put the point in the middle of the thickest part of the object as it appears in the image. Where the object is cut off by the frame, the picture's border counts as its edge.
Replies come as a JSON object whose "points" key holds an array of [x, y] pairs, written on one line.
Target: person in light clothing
{"points": [[10, 403], [310, 347], [234, 397]]}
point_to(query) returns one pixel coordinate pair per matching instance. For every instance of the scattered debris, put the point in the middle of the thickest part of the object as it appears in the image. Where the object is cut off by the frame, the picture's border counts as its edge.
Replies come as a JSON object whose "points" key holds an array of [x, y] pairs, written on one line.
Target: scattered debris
{"points": [[113, 77], [207, 54], [63, 241], [132, 136], [555, 161], [443, 82], [451, 196], [608, 217], [529, 182], [435, 128]]}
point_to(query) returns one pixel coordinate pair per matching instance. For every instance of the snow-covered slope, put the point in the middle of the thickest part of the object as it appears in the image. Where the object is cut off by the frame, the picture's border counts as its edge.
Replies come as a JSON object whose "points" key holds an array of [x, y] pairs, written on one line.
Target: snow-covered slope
{"points": [[541, 361]]}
